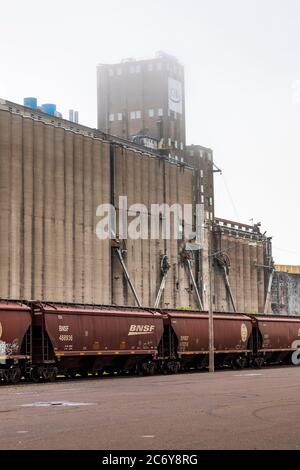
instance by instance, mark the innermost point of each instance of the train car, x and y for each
(39, 340)
(273, 338)
(74, 339)
(185, 342)
(15, 340)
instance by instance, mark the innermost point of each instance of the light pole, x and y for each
(210, 306)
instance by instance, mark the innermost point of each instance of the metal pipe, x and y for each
(194, 284)
(121, 259)
(160, 291)
(229, 288)
(268, 296)
(211, 338)
(164, 268)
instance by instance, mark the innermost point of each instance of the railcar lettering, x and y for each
(63, 328)
(244, 332)
(141, 329)
(184, 338)
(65, 337)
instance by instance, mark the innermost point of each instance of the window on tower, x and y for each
(135, 115)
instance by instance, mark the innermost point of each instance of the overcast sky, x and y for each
(242, 70)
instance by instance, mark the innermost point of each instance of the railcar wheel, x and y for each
(244, 363)
(241, 362)
(35, 374)
(5, 376)
(14, 375)
(152, 369)
(52, 375)
(45, 374)
(148, 368)
(259, 362)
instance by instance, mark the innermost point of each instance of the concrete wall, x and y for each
(149, 180)
(245, 257)
(286, 294)
(201, 159)
(51, 181)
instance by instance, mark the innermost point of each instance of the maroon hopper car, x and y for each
(15, 340)
(273, 337)
(188, 331)
(81, 339)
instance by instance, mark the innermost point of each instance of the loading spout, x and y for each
(164, 268)
(268, 296)
(121, 259)
(189, 264)
(224, 263)
(229, 289)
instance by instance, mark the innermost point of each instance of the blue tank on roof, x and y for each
(30, 102)
(49, 108)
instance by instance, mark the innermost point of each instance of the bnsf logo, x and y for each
(141, 329)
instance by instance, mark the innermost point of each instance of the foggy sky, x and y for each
(242, 71)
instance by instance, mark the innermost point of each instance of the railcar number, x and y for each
(64, 329)
(65, 337)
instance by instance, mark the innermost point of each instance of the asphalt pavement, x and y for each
(249, 409)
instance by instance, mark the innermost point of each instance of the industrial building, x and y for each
(55, 173)
(201, 159)
(144, 101)
(286, 290)
(242, 267)
(52, 178)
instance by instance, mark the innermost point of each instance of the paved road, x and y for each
(256, 409)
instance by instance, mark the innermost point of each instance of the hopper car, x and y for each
(40, 340)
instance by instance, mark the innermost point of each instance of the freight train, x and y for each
(39, 340)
